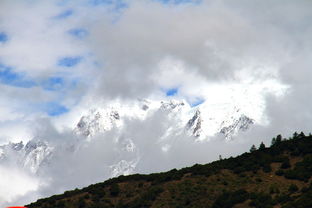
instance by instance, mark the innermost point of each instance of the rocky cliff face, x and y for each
(240, 124)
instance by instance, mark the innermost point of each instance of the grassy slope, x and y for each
(279, 176)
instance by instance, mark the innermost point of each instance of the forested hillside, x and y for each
(277, 176)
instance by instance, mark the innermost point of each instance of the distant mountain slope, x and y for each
(200, 123)
(279, 176)
(29, 156)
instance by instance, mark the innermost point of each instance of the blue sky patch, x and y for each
(3, 37)
(69, 61)
(53, 84)
(8, 77)
(79, 33)
(197, 102)
(177, 2)
(172, 91)
(101, 2)
(54, 109)
(65, 14)
(117, 4)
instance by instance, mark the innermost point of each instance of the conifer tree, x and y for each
(262, 146)
(253, 148)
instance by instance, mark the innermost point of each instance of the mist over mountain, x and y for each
(105, 142)
(278, 176)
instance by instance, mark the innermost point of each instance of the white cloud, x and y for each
(15, 183)
(37, 40)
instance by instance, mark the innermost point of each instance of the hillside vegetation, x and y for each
(278, 176)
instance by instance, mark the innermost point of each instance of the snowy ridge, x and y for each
(242, 124)
(112, 115)
(201, 122)
(98, 122)
(210, 120)
(123, 168)
(194, 125)
(30, 156)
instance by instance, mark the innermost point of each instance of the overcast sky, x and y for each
(59, 57)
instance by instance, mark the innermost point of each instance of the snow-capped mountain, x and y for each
(194, 125)
(112, 115)
(30, 156)
(200, 123)
(123, 167)
(98, 122)
(208, 121)
(242, 123)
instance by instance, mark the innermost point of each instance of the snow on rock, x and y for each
(123, 168)
(30, 156)
(201, 122)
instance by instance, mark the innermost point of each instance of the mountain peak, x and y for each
(201, 123)
(194, 125)
(240, 124)
(30, 156)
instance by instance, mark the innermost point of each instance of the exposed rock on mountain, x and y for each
(201, 122)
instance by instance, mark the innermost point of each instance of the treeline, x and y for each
(265, 200)
(207, 185)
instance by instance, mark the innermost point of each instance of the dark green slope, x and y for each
(279, 176)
